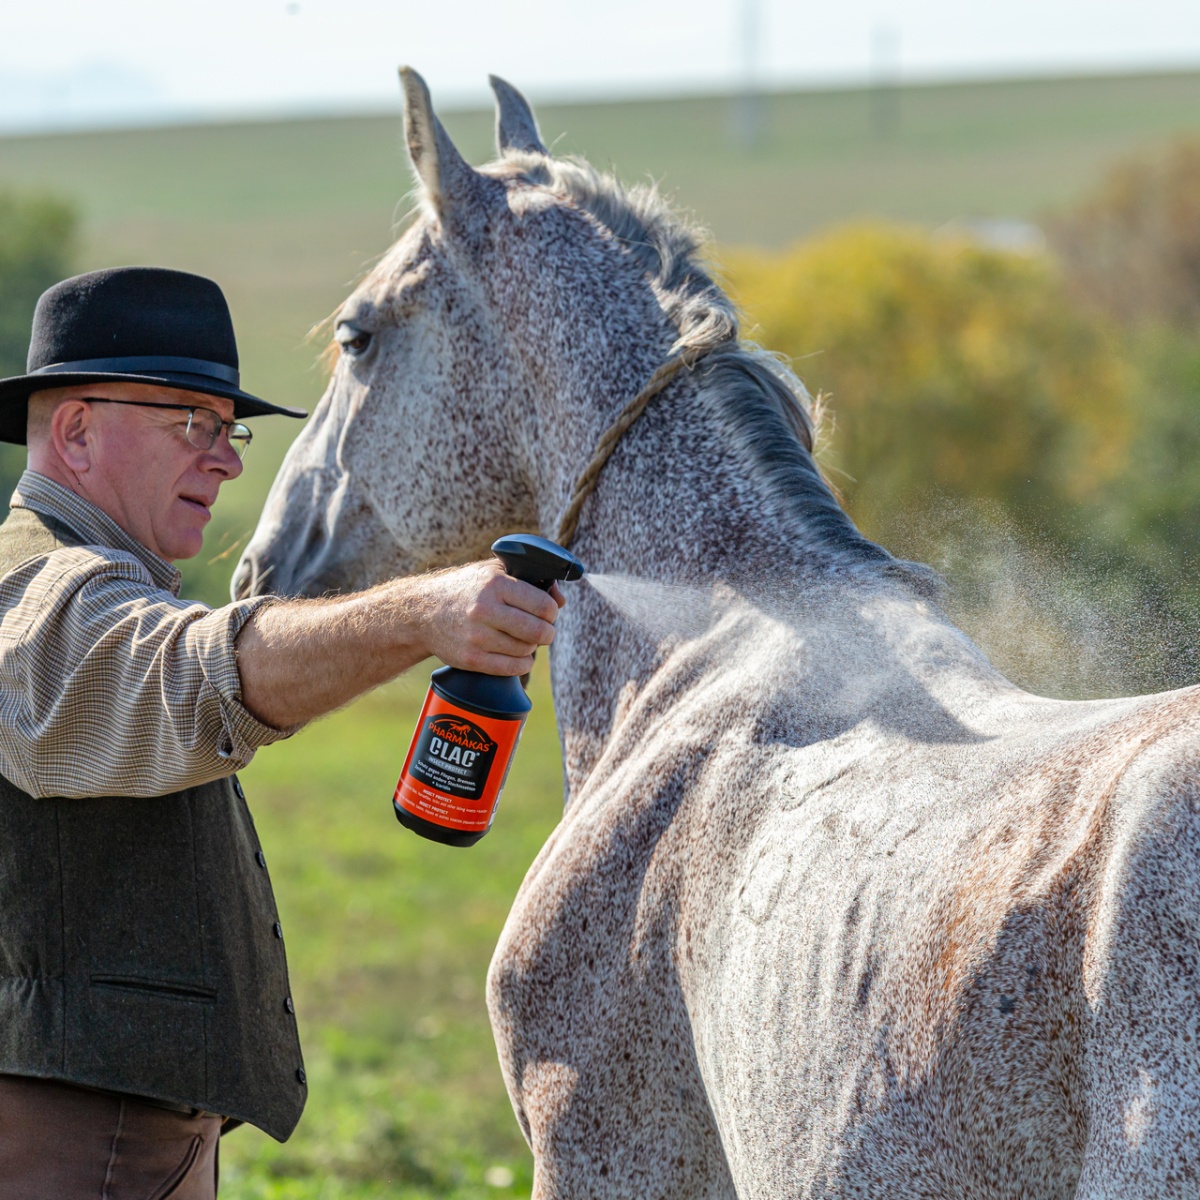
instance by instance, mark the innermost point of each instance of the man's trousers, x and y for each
(59, 1142)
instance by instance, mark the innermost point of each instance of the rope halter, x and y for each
(586, 482)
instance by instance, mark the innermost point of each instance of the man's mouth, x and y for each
(198, 502)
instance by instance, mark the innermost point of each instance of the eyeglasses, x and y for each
(203, 425)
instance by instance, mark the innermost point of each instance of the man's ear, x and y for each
(71, 434)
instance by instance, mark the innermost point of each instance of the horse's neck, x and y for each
(579, 390)
(676, 502)
(841, 658)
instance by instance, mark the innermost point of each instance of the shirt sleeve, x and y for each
(111, 686)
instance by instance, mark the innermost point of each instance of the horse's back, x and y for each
(859, 965)
(905, 982)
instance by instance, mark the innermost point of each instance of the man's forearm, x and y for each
(299, 659)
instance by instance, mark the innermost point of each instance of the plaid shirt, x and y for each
(110, 685)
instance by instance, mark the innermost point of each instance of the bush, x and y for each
(37, 247)
(955, 372)
(1132, 247)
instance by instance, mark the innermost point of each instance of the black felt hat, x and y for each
(131, 325)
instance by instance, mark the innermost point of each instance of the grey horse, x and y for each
(834, 909)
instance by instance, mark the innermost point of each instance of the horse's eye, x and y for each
(353, 341)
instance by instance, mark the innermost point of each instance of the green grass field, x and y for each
(389, 936)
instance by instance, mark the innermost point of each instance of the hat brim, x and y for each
(18, 388)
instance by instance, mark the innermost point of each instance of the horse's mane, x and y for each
(764, 407)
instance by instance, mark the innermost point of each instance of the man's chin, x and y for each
(184, 546)
(187, 538)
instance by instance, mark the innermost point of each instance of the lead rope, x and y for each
(612, 435)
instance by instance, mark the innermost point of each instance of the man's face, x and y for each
(142, 470)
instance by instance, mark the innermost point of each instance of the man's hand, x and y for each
(300, 659)
(483, 620)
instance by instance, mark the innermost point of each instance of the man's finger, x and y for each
(524, 596)
(525, 628)
(499, 642)
(502, 664)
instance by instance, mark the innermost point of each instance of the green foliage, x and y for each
(1153, 508)
(1131, 250)
(951, 368)
(1132, 246)
(37, 248)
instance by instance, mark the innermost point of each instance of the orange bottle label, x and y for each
(456, 765)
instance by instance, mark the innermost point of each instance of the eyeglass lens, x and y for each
(204, 427)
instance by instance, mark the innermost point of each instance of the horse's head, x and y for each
(474, 366)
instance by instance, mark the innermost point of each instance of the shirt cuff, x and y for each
(214, 638)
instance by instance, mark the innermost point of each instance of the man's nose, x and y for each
(224, 457)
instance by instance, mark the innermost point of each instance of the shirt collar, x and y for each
(92, 524)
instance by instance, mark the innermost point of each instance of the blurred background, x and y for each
(975, 233)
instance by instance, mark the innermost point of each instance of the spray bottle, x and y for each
(471, 722)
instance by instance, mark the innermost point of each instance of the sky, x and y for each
(79, 63)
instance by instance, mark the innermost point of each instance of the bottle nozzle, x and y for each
(537, 560)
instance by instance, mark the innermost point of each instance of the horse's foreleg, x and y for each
(597, 1051)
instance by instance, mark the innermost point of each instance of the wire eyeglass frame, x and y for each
(202, 436)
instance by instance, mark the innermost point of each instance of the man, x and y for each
(144, 998)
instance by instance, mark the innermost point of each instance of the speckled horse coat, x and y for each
(834, 909)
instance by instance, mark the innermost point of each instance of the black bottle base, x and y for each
(436, 833)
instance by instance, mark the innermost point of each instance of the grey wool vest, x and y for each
(140, 949)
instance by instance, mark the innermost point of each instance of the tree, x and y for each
(37, 247)
(1132, 246)
(953, 371)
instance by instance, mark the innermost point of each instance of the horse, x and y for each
(834, 909)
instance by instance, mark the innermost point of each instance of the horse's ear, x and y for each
(516, 126)
(447, 176)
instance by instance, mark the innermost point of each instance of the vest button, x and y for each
(260, 858)
(278, 930)
(237, 787)
(289, 1005)
(300, 1075)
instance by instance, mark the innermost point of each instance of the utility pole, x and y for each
(885, 82)
(748, 103)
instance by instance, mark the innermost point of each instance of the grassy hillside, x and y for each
(287, 214)
(389, 936)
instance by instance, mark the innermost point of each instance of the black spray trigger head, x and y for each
(537, 560)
